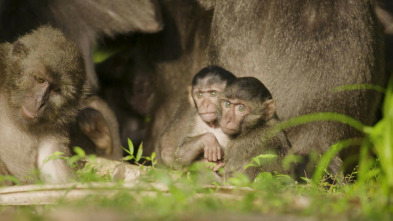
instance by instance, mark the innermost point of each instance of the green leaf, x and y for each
(240, 179)
(139, 153)
(100, 55)
(56, 155)
(127, 158)
(315, 117)
(130, 146)
(126, 150)
(266, 156)
(251, 164)
(72, 160)
(256, 160)
(263, 177)
(79, 151)
(309, 181)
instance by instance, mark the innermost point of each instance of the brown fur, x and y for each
(249, 144)
(27, 142)
(96, 130)
(183, 143)
(301, 50)
(252, 136)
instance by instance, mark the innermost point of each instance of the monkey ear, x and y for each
(19, 49)
(270, 108)
(190, 99)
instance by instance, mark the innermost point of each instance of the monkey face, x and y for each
(45, 80)
(233, 113)
(39, 89)
(36, 97)
(206, 98)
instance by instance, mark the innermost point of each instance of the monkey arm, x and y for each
(168, 143)
(189, 150)
(54, 170)
(175, 132)
(193, 147)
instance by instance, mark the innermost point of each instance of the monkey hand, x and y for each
(92, 123)
(215, 166)
(219, 164)
(212, 149)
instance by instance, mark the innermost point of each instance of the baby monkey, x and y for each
(194, 131)
(247, 113)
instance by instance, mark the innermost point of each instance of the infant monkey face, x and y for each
(233, 113)
(207, 99)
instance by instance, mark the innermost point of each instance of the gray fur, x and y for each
(301, 50)
(25, 144)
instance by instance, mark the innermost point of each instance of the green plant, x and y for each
(260, 159)
(138, 157)
(84, 165)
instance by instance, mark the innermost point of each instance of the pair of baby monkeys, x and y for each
(226, 123)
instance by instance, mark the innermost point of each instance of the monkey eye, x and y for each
(213, 93)
(40, 80)
(227, 104)
(199, 95)
(242, 108)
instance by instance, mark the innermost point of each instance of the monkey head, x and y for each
(207, 85)
(246, 104)
(44, 79)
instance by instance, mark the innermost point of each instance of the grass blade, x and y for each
(329, 154)
(314, 117)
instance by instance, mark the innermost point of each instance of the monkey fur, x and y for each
(43, 84)
(183, 143)
(250, 139)
(96, 130)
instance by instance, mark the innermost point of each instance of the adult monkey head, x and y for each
(207, 84)
(247, 104)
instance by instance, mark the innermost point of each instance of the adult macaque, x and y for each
(194, 129)
(248, 112)
(43, 84)
(96, 130)
(86, 23)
